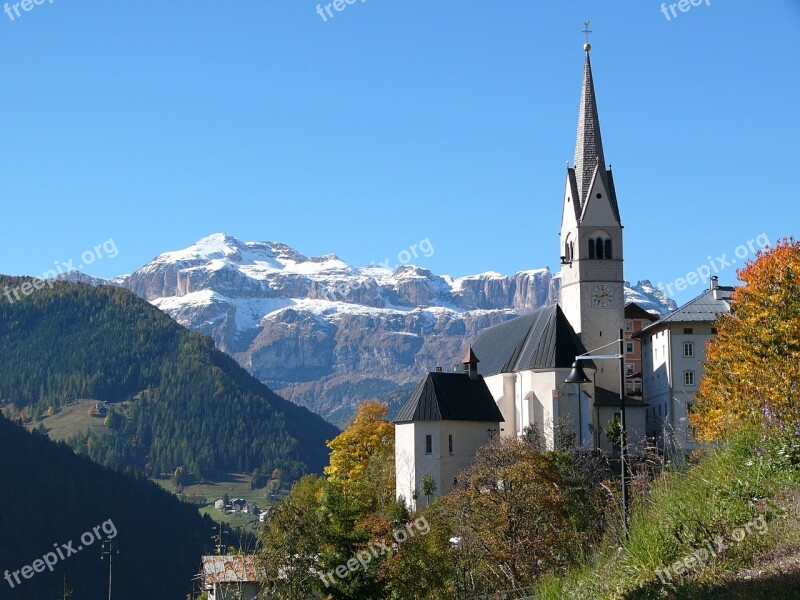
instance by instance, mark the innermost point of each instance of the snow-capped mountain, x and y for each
(327, 334)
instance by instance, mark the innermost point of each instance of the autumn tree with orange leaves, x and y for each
(753, 365)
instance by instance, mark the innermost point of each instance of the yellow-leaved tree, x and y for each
(362, 456)
(753, 365)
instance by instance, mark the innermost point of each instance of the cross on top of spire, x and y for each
(587, 32)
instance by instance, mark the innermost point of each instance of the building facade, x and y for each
(636, 319)
(673, 352)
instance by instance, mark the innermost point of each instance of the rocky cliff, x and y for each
(326, 334)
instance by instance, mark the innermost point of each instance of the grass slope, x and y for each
(743, 495)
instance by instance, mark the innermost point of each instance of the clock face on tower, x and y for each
(603, 296)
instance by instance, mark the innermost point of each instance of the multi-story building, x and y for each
(636, 318)
(673, 351)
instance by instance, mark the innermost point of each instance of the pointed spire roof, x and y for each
(589, 144)
(470, 358)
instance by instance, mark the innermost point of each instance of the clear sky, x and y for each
(157, 123)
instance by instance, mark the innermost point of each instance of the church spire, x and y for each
(589, 144)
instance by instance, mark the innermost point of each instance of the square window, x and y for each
(428, 444)
(713, 331)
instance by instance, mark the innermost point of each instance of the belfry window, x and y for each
(600, 246)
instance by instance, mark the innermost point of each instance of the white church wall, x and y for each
(468, 437)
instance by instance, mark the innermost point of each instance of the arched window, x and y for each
(600, 246)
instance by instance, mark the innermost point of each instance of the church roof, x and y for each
(450, 397)
(589, 162)
(541, 340)
(589, 143)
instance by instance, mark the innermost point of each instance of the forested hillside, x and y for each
(53, 497)
(185, 403)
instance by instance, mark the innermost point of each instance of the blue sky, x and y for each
(157, 123)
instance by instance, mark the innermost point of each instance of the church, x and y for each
(524, 362)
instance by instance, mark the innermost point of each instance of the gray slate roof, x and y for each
(703, 309)
(541, 340)
(589, 145)
(450, 397)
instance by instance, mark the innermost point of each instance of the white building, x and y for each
(673, 352)
(439, 430)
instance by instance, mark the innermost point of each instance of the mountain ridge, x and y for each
(309, 327)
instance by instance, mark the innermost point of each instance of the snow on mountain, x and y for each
(327, 334)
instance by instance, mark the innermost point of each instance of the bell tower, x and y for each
(592, 289)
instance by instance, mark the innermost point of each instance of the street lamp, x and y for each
(578, 376)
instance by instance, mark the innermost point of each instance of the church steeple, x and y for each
(589, 144)
(592, 293)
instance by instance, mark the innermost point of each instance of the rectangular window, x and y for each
(629, 368)
(713, 331)
(688, 331)
(450, 443)
(629, 347)
(628, 326)
(688, 378)
(428, 444)
(688, 349)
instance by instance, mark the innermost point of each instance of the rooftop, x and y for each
(229, 569)
(541, 340)
(705, 308)
(450, 397)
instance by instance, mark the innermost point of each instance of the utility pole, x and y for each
(623, 433)
(218, 538)
(108, 550)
